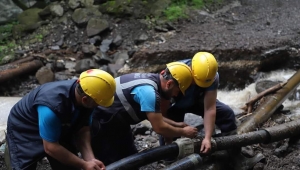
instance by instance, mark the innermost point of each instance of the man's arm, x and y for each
(164, 106)
(50, 131)
(209, 119)
(83, 142)
(149, 101)
(163, 128)
(60, 153)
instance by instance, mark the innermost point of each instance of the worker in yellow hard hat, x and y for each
(138, 97)
(50, 119)
(201, 99)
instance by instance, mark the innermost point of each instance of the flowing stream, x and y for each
(236, 99)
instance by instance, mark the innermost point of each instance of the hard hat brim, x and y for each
(203, 84)
(106, 103)
(183, 92)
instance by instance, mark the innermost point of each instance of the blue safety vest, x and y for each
(23, 128)
(124, 103)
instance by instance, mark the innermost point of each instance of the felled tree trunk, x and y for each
(10, 71)
(269, 106)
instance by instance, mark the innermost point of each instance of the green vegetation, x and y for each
(178, 8)
(39, 37)
(6, 41)
(175, 12)
(6, 32)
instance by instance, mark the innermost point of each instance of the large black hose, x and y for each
(267, 135)
(145, 157)
(187, 163)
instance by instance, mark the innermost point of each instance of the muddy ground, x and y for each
(244, 26)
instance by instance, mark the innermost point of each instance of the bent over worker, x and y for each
(138, 97)
(201, 99)
(53, 120)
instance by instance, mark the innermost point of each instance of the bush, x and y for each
(177, 9)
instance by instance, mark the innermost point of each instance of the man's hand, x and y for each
(94, 164)
(181, 124)
(205, 146)
(190, 132)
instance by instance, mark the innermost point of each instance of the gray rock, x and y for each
(279, 118)
(55, 47)
(120, 61)
(60, 42)
(89, 49)
(86, 3)
(59, 65)
(117, 41)
(150, 139)
(104, 68)
(105, 45)
(193, 120)
(259, 166)
(56, 10)
(9, 11)
(73, 4)
(113, 69)
(96, 26)
(85, 64)
(8, 58)
(95, 39)
(102, 58)
(142, 37)
(44, 75)
(82, 15)
(264, 85)
(280, 152)
(140, 129)
(63, 75)
(121, 55)
(248, 151)
(160, 29)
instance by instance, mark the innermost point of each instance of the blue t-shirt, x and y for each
(146, 96)
(50, 124)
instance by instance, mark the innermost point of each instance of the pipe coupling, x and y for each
(186, 147)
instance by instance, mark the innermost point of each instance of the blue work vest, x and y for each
(124, 103)
(23, 119)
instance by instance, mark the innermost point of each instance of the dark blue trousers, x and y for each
(225, 118)
(112, 139)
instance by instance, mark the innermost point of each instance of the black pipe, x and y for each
(188, 163)
(145, 157)
(226, 142)
(283, 131)
(267, 135)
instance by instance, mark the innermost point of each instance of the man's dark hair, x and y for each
(79, 90)
(168, 76)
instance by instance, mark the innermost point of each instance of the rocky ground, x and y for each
(247, 37)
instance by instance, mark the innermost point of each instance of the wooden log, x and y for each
(9, 71)
(251, 102)
(268, 107)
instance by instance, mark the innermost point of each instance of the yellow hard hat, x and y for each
(99, 85)
(182, 74)
(204, 68)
